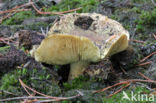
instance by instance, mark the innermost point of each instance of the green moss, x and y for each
(147, 19)
(87, 5)
(66, 101)
(77, 83)
(4, 48)
(136, 9)
(10, 80)
(82, 82)
(113, 17)
(140, 28)
(40, 80)
(18, 18)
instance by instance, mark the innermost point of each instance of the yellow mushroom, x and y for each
(78, 39)
(61, 49)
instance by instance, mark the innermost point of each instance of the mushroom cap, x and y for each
(62, 49)
(107, 34)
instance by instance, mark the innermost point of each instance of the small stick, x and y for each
(17, 7)
(147, 57)
(39, 92)
(144, 76)
(104, 89)
(9, 39)
(11, 14)
(7, 92)
(5, 17)
(123, 70)
(154, 35)
(25, 88)
(125, 82)
(55, 13)
(26, 64)
(6, 40)
(25, 97)
(138, 41)
(140, 80)
(36, 97)
(146, 63)
(10, 11)
(119, 90)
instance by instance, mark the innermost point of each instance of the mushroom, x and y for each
(62, 49)
(78, 39)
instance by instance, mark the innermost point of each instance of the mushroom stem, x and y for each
(76, 69)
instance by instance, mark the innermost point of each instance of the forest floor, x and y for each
(131, 72)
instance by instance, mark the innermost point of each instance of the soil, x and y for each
(83, 22)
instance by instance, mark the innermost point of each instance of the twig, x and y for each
(13, 9)
(146, 63)
(139, 80)
(124, 82)
(68, 11)
(10, 11)
(147, 57)
(55, 13)
(7, 92)
(39, 92)
(123, 70)
(144, 76)
(27, 64)
(6, 40)
(51, 97)
(5, 17)
(25, 88)
(138, 41)
(104, 89)
(119, 90)
(54, 100)
(40, 12)
(154, 35)
(25, 97)
(36, 97)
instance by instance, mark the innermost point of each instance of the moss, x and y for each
(136, 9)
(4, 49)
(78, 83)
(10, 81)
(18, 18)
(87, 5)
(113, 17)
(147, 19)
(82, 82)
(40, 80)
